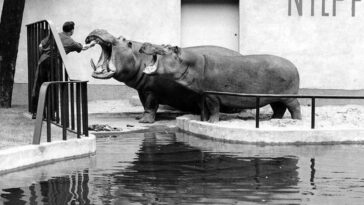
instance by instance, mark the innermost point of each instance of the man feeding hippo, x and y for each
(121, 60)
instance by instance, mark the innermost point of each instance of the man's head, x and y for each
(68, 27)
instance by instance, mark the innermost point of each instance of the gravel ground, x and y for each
(341, 117)
(17, 128)
(338, 117)
(121, 114)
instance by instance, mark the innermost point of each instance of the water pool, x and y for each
(177, 168)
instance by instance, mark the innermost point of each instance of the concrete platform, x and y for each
(285, 135)
(22, 157)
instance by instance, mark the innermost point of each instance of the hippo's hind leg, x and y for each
(294, 108)
(279, 108)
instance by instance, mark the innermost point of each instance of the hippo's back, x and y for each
(213, 51)
(251, 74)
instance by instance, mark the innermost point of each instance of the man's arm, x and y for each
(87, 46)
(44, 43)
(71, 45)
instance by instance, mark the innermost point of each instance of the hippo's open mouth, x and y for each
(155, 51)
(105, 68)
(151, 68)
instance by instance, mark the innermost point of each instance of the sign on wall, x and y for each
(326, 7)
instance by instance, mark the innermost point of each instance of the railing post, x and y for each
(78, 109)
(67, 102)
(63, 111)
(72, 103)
(57, 90)
(30, 68)
(84, 108)
(49, 114)
(257, 112)
(313, 104)
(53, 89)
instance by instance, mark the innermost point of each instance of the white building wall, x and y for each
(328, 50)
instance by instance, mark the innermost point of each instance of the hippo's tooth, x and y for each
(150, 69)
(97, 69)
(112, 66)
(93, 64)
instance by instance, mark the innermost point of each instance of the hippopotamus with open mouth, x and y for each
(120, 59)
(264, 74)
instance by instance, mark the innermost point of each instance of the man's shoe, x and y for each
(34, 115)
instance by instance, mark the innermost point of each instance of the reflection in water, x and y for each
(168, 170)
(14, 195)
(174, 168)
(72, 189)
(313, 171)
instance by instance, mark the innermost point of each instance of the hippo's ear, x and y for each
(161, 52)
(130, 44)
(176, 49)
(167, 46)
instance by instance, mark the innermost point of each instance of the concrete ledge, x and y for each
(190, 124)
(31, 155)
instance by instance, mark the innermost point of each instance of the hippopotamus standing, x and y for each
(264, 74)
(121, 60)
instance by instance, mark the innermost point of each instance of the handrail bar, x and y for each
(286, 95)
(40, 21)
(258, 96)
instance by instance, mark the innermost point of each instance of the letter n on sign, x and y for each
(298, 6)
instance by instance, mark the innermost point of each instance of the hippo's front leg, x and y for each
(213, 108)
(150, 104)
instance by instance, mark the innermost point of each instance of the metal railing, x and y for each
(259, 96)
(63, 100)
(67, 117)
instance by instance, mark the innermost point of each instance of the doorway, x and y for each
(210, 22)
